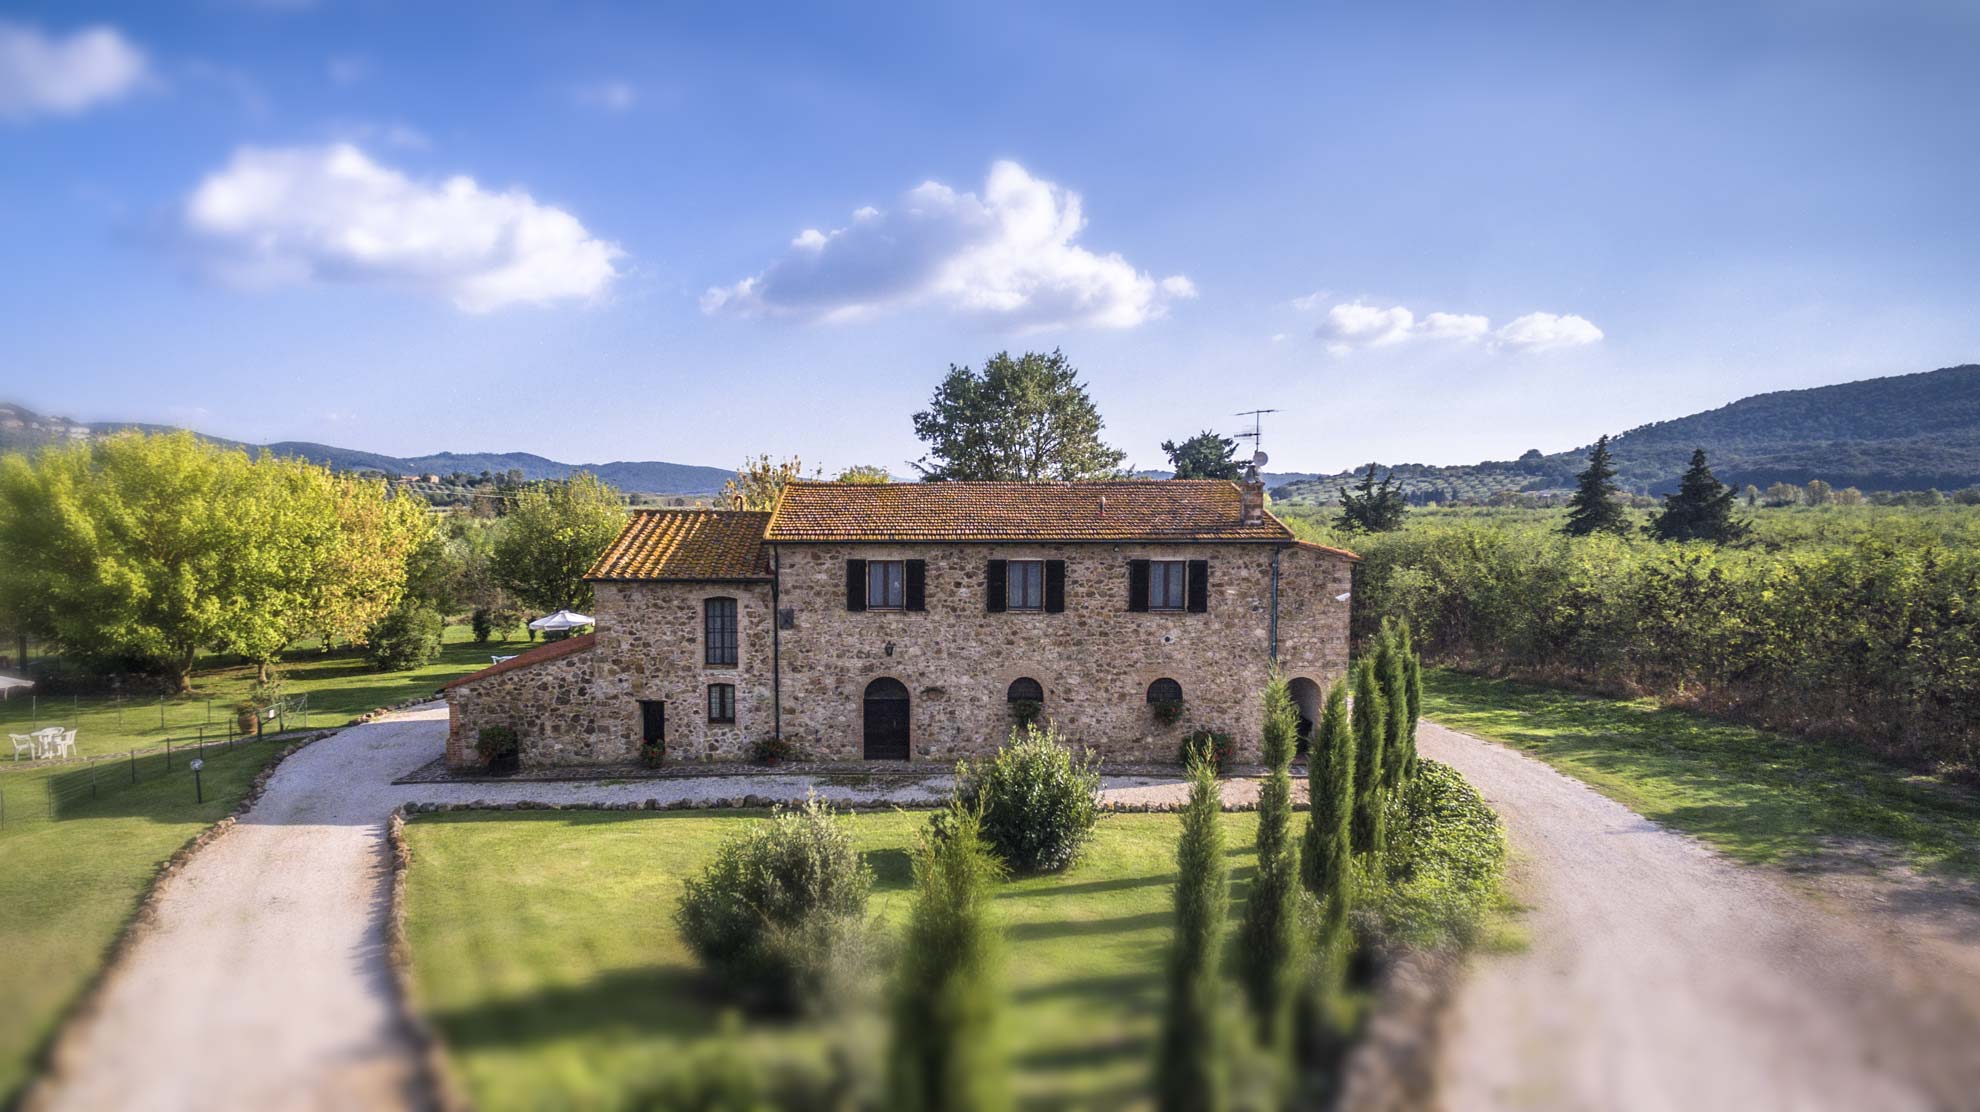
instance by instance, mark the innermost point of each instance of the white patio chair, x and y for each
(25, 743)
(66, 744)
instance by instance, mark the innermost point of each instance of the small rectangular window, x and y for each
(1024, 585)
(1167, 583)
(719, 629)
(721, 702)
(886, 585)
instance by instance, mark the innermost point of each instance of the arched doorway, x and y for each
(1306, 696)
(886, 720)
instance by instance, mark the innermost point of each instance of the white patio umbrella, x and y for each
(562, 620)
(8, 685)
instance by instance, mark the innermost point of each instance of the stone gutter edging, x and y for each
(434, 1072)
(56, 1058)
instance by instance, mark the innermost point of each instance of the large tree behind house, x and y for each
(1025, 418)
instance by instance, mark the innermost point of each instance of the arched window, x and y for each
(1024, 689)
(1165, 691)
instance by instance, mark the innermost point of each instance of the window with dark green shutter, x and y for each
(1024, 584)
(1055, 586)
(1167, 584)
(886, 585)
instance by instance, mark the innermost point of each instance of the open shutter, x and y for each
(1199, 586)
(855, 584)
(1138, 586)
(914, 595)
(994, 587)
(1055, 586)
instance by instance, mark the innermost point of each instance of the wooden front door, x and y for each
(886, 720)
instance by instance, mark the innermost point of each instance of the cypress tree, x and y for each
(1330, 779)
(1192, 1067)
(1370, 725)
(1594, 508)
(946, 1053)
(1700, 510)
(1413, 690)
(1267, 959)
(1393, 678)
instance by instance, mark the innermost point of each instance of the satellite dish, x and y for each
(1259, 459)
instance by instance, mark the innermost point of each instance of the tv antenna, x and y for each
(1256, 436)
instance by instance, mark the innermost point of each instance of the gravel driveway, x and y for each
(1661, 975)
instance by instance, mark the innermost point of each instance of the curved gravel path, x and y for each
(1661, 975)
(262, 981)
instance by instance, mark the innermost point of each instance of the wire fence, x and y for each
(97, 784)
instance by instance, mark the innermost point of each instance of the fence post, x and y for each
(92, 781)
(133, 766)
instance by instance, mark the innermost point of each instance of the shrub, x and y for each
(406, 637)
(773, 750)
(946, 1051)
(1038, 799)
(482, 622)
(499, 747)
(1444, 859)
(653, 754)
(1204, 743)
(1192, 1066)
(781, 904)
(1167, 711)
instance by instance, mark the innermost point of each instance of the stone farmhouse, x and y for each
(919, 621)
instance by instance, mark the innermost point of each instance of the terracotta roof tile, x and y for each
(1328, 549)
(537, 655)
(1130, 510)
(686, 544)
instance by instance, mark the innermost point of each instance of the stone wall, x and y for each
(1095, 660)
(585, 708)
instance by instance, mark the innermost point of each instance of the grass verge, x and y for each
(1759, 796)
(70, 883)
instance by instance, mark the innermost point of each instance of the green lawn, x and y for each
(1758, 795)
(68, 885)
(340, 685)
(544, 948)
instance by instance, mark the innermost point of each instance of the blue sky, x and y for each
(1432, 233)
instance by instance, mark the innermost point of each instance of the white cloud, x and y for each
(61, 76)
(1546, 331)
(278, 216)
(1355, 325)
(1007, 255)
(609, 96)
(1464, 327)
(347, 69)
(1352, 325)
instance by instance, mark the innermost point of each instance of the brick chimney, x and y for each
(1252, 497)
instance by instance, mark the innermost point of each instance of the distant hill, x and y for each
(21, 428)
(1908, 432)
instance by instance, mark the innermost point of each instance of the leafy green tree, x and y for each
(760, 481)
(947, 1050)
(1330, 788)
(1268, 960)
(551, 537)
(408, 636)
(1371, 717)
(1372, 507)
(1026, 419)
(140, 550)
(1192, 1065)
(1203, 456)
(369, 569)
(1700, 510)
(1594, 507)
(1817, 493)
(864, 473)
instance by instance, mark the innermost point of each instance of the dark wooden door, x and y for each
(886, 721)
(652, 721)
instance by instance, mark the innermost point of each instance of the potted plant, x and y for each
(774, 750)
(246, 717)
(653, 754)
(1167, 711)
(500, 751)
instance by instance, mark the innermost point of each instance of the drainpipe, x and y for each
(776, 648)
(1276, 549)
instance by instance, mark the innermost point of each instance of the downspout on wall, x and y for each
(776, 643)
(1276, 550)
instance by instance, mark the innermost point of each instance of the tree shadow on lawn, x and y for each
(667, 1002)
